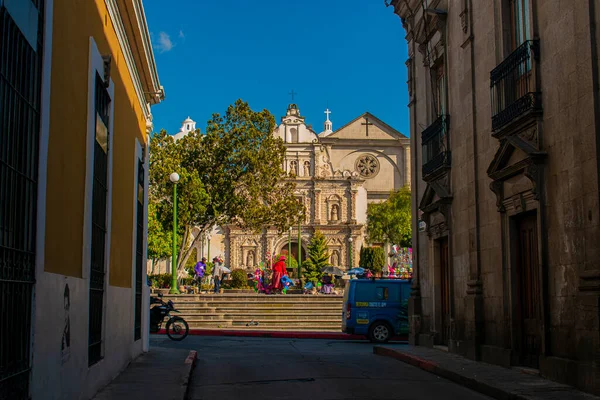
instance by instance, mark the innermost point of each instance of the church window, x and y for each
(294, 167)
(335, 212)
(367, 166)
(294, 133)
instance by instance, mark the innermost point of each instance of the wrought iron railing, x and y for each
(435, 146)
(20, 85)
(513, 85)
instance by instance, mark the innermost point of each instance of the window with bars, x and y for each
(20, 88)
(99, 223)
(514, 86)
(139, 251)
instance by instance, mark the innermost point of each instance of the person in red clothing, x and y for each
(278, 271)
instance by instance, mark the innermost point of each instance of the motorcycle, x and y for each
(177, 328)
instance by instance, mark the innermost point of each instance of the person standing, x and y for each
(217, 274)
(278, 271)
(200, 270)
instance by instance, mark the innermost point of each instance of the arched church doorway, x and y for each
(284, 250)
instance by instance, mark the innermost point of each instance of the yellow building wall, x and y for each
(74, 22)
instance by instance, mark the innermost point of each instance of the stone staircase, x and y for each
(292, 313)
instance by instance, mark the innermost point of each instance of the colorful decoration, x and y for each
(403, 263)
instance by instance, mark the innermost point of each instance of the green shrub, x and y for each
(160, 281)
(239, 279)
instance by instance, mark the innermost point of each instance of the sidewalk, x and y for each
(491, 380)
(162, 373)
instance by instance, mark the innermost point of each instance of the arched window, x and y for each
(306, 168)
(335, 212)
(294, 133)
(294, 167)
(335, 258)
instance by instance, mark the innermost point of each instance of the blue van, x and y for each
(376, 308)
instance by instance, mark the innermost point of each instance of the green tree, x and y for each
(378, 259)
(230, 175)
(391, 220)
(159, 241)
(318, 258)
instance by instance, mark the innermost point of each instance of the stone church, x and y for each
(337, 174)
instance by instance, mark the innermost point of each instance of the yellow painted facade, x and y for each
(75, 21)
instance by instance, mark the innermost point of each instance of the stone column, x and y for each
(354, 192)
(317, 206)
(407, 173)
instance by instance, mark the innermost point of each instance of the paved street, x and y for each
(256, 368)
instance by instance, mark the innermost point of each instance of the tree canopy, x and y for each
(391, 220)
(232, 174)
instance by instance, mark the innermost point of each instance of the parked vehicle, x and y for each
(376, 308)
(177, 328)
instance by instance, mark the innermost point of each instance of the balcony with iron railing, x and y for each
(436, 150)
(514, 87)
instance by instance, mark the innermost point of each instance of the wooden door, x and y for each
(528, 291)
(445, 291)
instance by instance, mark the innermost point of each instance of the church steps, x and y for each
(266, 316)
(256, 306)
(278, 312)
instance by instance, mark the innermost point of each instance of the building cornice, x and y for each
(123, 38)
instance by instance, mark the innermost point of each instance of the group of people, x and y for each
(276, 282)
(218, 272)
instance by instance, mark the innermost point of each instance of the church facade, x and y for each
(337, 173)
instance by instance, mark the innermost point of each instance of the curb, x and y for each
(434, 368)
(279, 335)
(190, 363)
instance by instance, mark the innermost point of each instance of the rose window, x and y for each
(367, 166)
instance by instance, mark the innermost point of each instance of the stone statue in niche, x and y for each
(335, 212)
(250, 259)
(66, 336)
(335, 258)
(306, 168)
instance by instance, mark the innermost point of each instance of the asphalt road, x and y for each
(307, 369)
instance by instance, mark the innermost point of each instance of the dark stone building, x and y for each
(506, 206)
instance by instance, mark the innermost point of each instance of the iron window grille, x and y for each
(435, 146)
(99, 229)
(139, 253)
(513, 85)
(20, 89)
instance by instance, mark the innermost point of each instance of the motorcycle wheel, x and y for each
(177, 329)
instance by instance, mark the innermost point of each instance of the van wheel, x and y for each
(380, 332)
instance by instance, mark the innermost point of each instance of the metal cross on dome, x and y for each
(292, 93)
(327, 112)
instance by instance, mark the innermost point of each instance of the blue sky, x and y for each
(348, 54)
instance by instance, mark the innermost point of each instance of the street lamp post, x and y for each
(289, 257)
(208, 243)
(174, 177)
(351, 251)
(299, 250)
